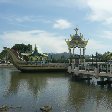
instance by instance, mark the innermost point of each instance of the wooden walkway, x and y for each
(92, 71)
(88, 72)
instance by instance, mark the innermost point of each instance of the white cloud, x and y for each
(47, 42)
(21, 19)
(100, 10)
(62, 24)
(94, 46)
(107, 35)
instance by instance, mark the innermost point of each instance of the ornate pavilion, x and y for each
(77, 41)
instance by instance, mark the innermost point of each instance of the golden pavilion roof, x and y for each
(76, 40)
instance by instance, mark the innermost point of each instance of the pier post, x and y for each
(107, 68)
(101, 67)
(96, 70)
(110, 68)
(85, 67)
(79, 61)
(69, 61)
(101, 78)
(102, 82)
(72, 67)
(108, 82)
(84, 61)
(88, 67)
(88, 80)
(69, 69)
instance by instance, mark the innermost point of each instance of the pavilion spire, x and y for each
(76, 30)
(35, 48)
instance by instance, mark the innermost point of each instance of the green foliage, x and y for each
(101, 57)
(22, 48)
(3, 54)
(107, 56)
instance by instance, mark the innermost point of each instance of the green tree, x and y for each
(22, 48)
(107, 56)
(3, 54)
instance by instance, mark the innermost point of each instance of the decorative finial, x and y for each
(35, 48)
(76, 30)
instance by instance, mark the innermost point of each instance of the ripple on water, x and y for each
(34, 90)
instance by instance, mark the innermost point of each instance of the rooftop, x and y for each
(76, 40)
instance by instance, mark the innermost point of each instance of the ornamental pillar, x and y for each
(69, 51)
(110, 68)
(73, 52)
(69, 55)
(84, 52)
(80, 52)
(84, 55)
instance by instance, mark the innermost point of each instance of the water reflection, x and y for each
(35, 82)
(32, 82)
(91, 98)
(33, 90)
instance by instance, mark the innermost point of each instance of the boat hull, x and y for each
(24, 66)
(43, 70)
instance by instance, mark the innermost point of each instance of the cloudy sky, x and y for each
(48, 23)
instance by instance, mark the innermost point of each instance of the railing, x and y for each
(100, 68)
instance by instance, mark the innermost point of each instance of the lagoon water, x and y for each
(27, 92)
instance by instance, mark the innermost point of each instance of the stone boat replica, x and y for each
(24, 66)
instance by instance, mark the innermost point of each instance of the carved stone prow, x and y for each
(14, 59)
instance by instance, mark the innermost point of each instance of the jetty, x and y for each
(81, 70)
(87, 72)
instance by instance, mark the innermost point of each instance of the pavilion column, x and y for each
(80, 56)
(84, 54)
(80, 52)
(73, 52)
(69, 55)
(70, 52)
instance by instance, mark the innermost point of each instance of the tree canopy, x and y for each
(22, 48)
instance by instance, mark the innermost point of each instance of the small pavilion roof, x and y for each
(76, 40)
(36, 53)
